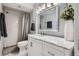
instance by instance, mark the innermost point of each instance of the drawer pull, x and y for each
(51, 53)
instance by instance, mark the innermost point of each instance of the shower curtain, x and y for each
(25, 26)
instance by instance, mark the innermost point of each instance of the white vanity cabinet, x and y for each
(43, 46)
(34, 47)
(52, 50)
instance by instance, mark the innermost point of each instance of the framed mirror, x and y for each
(50, 22)
(49, 19)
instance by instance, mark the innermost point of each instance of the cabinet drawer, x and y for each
(53, 46)
(49, 51)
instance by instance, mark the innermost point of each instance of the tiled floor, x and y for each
(17, 54)
(9, 50)
(13, 51)
(12, 54)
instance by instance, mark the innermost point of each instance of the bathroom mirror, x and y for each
(50, 22)
(49, 19)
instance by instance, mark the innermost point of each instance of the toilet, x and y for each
(23, 48)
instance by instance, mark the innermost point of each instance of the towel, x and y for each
(3, 25)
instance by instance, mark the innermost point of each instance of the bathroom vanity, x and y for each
(48, 22)
(43, 45)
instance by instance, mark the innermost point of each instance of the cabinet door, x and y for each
(50, 51)
(35, 47)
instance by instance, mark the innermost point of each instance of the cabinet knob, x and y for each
(51, 53)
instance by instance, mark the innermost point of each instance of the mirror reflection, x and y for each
(49, 18)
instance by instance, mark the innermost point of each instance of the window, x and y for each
(49, 24)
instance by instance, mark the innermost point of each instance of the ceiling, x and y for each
(26, 7)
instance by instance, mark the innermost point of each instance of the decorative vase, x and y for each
(68, 30)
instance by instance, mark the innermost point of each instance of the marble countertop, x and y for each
(54, 40)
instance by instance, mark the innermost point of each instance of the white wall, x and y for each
(12, 19)
(1, 7)
(76, 29)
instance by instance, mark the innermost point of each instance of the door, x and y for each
(35, 47)
(12, 18)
